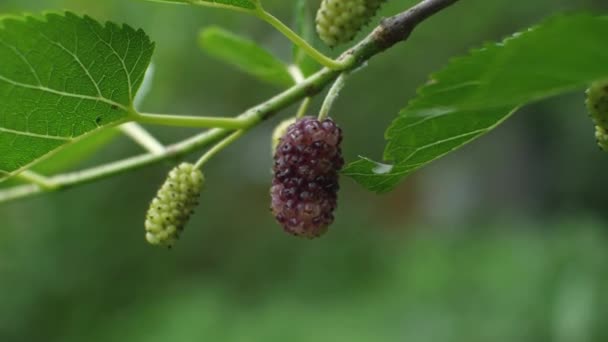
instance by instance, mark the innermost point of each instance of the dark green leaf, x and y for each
(304, 28)
(474, 94)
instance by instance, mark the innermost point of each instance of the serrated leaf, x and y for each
(63, 77)
(85, 148)
(247, 5)
(245, 55)
(476, 93)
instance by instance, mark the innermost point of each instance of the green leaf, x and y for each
(241, 5)
(63, 77)
(76, 153)
(85, 148)
(304, 28)
(245, 55)
(476, 93)
(71, 155)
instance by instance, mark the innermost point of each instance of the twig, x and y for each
(390, 32)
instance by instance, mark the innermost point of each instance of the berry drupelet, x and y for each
(597, 104)
(338, 21)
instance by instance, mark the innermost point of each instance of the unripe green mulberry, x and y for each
(338, 21)
(597, 104)
(170, 210)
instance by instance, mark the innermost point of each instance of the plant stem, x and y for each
(254, 116)
(298, 77)
(191, 121)
(303, 107)
(332, 95)
(218, 148)
(303, 44)
(391, 31)
(37, 179)
(207, 3)
(141, 136)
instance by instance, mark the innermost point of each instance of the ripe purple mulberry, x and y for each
(305, 184)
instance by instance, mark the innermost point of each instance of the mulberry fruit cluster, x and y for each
(338, 21)
(305, 185)
(173, 205)
(597, 104)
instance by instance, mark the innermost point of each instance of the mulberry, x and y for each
(173, 205)
(279, 132)
(338, 21)
(305, 185)
(597, 104)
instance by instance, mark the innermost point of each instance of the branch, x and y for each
(390, 32)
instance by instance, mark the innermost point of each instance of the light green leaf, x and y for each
(304, 28)
(244, 54)
(71, 155)
(76, 153)
(63, 77)
(476, 93)
(240, 5)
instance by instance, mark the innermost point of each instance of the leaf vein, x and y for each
(77, 59)
(34, 135)
(115, 53)
(456, 137)
(23, 58)
(62, 93)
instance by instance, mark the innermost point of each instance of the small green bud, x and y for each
(597, 104)
(173, 205)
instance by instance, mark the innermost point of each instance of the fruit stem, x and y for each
(218, 148)
(142, 137)
(298, 77)
(332, 95)
(207, 3)
(303, 107)
(191, 121)
(303, 44)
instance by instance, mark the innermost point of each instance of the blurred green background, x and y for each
(505, 240)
